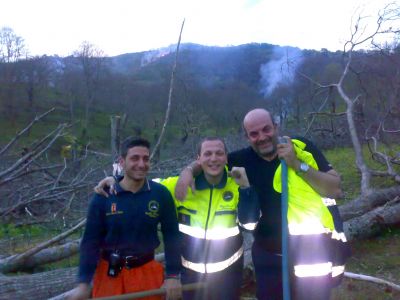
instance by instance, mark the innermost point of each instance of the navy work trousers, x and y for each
(268, 269)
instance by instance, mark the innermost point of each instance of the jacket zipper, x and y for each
(206, 227)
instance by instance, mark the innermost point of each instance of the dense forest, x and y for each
(56, 136)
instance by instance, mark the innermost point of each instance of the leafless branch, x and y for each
(61, 173)
(319, 110)
(33, 154)
(23, 131)
(171, 87)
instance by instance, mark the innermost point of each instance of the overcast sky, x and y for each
(124, 26)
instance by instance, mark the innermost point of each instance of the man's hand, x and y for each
(106, 182)
(185, 180)
(286, 152)
(240, 176)
(81, 292)
(174, 288)
(327, 184)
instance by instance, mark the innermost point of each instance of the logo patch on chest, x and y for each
(227, 196)
(153, 209)
(113, 210)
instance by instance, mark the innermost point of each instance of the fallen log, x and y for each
(374, 221)
(37, 286)
(41, 258)
(362, 205)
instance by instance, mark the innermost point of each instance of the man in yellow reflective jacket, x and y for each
(212, 244)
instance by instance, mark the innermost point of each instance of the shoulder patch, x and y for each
(114, 210)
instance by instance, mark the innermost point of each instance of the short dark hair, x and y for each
(210, 138)
(133, 142)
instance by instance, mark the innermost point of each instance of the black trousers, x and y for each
(268, 269)
(223, 285)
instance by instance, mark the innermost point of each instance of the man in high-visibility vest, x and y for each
(212, 244)
(317, 246)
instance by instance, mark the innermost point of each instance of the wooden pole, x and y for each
(171, 88)
(115, 137)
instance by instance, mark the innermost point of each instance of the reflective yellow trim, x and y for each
(308, 227)
(313, 270)
(249, 226)
(210, 234)
(339, 236)
(337, 270)
(212, 267)
(329, 201)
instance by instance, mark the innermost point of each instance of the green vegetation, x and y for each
(343, 160)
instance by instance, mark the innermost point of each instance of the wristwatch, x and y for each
(303, 168)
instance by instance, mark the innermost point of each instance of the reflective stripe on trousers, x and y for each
(322, 269)
(212, 267)
(249, 226)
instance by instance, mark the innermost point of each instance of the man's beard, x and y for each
(269, 153)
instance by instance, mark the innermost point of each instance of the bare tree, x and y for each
(12, 47)
(91, 59)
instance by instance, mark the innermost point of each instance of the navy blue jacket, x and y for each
(128, 222)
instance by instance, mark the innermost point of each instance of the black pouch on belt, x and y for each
(114, 264)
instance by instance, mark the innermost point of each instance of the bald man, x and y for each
(311, 179)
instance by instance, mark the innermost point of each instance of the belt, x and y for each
(131, 261)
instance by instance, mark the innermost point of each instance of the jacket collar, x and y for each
(202, 183)
(144, 188)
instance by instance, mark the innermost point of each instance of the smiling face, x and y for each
(136, 163)
(212, 158)
(261, 133)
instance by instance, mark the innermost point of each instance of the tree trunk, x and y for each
(115, 137)
(37, 286)
(374, 221)
(41, 258)
(363, 204)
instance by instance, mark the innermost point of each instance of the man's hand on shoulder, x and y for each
(103, 184)
(186, 180)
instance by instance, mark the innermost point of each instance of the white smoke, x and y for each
(280, 69)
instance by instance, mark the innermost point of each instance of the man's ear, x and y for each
(121, 161)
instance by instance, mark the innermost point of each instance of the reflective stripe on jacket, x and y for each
(208, 221)
(317, 244)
